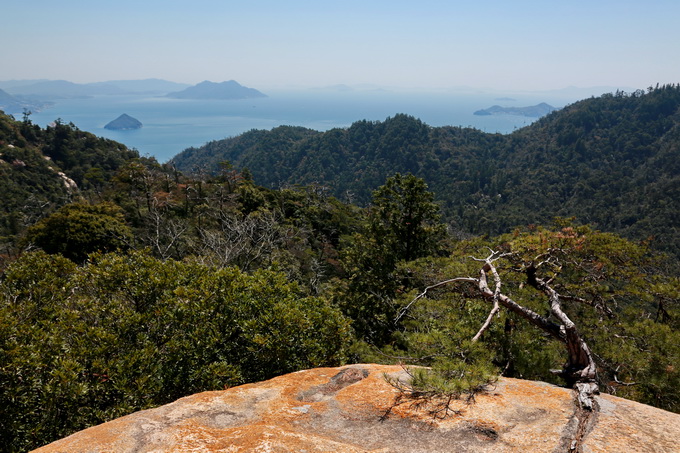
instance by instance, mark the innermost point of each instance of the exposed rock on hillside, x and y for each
(354, 409)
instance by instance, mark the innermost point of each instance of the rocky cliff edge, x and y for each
(355, 409)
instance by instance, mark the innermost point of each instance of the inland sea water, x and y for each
(172, 125)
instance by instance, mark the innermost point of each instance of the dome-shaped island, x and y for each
(123, 123)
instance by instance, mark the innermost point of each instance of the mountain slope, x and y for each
(58, 89)
(42, 169)
(11, 104)
(610, 161)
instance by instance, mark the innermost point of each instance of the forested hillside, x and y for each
(610, 161)
(126, 284)
(42, 169)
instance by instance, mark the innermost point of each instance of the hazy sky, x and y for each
(503, 44)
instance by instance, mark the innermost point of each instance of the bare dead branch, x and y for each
(403, 311)
(530, 315)
(616, 379)
(496, 306)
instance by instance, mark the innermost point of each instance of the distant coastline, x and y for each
(172, 125)
(19, 104)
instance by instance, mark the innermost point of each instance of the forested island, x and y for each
(211, 90)
(534, 111)
(124, 123)
(127, 284)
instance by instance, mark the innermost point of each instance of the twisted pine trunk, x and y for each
(579, 371)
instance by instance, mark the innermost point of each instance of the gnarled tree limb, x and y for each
(580, 369)
(496, 307)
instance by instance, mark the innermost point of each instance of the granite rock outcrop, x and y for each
(355, 409)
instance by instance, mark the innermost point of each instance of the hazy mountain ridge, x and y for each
(144, 86)
(211, 90)
(59, 89)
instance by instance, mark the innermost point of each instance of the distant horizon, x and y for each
(172, 125)
(358, 87)
(524, 45)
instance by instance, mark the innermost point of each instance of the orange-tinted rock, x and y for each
(354, 409)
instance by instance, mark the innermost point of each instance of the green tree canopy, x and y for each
(622, 300)
(405, 219)
(77, 229)
(402, 224)
(80, 345)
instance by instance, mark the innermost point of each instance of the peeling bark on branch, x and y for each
(530, 315)
(496, 306)
(580, 370)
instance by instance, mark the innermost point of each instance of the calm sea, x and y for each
(172, 125)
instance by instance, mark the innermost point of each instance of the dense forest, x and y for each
(610, 162)
(127, 284)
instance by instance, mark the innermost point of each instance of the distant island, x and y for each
(534, 111)
(212, 90)
(124, 123)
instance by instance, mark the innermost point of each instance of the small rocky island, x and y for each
(124, 123)
(534, 111)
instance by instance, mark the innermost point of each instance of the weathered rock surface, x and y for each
(354, 409)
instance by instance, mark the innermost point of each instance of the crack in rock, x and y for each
(343, 379)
